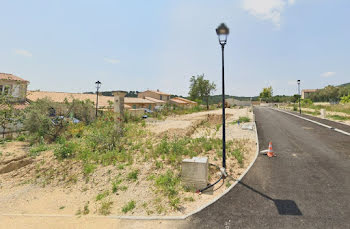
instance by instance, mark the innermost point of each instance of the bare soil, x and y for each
(44, 185)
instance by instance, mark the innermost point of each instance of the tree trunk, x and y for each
(208, 103)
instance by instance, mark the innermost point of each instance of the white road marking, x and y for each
(318, 123)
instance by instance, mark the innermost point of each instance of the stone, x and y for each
(194, 172)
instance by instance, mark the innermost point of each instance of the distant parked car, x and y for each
(148, 111)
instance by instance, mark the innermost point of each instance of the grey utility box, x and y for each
(194, 172)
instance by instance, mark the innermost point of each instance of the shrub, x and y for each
(129, 206)
(133, 175)
(243, 119)
(66, 149)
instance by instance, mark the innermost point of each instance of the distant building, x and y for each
(104, 102)
(13, 86)
(307, 92)
(155, 94)
(182, 102)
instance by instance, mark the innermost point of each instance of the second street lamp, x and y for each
(222, 31)
(98, 85)
(299, 96)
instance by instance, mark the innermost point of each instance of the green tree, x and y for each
(266, 93)
(201, 89)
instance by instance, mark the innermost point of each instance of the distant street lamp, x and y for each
(299, 96)
(222, 31)
(98, 85)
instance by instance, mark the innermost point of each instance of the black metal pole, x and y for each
(223, 111)
(299, 97)
(96, 101)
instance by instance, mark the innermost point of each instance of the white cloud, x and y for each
(111, 60)
(328, 74)
(23, 52)
(267, 9)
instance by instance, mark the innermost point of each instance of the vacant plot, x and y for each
(94, 171)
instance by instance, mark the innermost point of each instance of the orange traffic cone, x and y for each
(270, 152)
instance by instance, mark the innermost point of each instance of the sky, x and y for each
(138, 45)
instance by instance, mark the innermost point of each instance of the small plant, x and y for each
(21, 138)
(62, 207)
(129, 206)
(35, 151)
(123, 188)
(133, 175)
(115, 185)
(105, 208)
(228, 184)
(189, 199)
(86, 209)
(121, 166)
(168, 183)
(102, 195)
(242, 119)
(238, 155)
(175, 202)
(89, 168)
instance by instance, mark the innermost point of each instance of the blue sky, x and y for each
(138, 45)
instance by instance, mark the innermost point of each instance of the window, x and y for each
(7, 90)
(161, 97)
(1, 87)
(134, 106)
(168, 97)
(150, 107)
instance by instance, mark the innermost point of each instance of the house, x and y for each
(136, 103)
(104, 102)
(307, 92)
(155, 94)
(157, 101)
(182, 102)
(14, 86)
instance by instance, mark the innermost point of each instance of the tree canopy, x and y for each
(201, 89)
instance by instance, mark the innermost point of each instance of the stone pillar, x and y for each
(119, 105)
(323, 113)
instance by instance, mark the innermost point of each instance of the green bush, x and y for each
(66, 149)
(133, 175)
(168, 183)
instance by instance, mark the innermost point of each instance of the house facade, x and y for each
(155, 94)
(13, 86)
(307, 92)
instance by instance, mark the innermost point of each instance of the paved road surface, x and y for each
(306, 186)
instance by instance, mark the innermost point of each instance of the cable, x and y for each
(211, 185)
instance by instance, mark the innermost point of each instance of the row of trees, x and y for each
(330, 94)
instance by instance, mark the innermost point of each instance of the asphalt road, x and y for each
(306, 186)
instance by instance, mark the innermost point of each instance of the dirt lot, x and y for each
(34, 185)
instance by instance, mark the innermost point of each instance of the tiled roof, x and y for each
(157, 92)
(60, 96)
(18, 106)
(132, 100)
(6, 76)
(154, 100)
(103, 101)
(185, 100)
(175, 100)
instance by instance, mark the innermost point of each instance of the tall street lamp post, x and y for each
(222, 31)
(98, 85)
(299, 96)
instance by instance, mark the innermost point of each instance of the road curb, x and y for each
(161, 217)
(313, 121)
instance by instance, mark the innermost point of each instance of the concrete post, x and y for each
(119, 105)
(323, 113)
